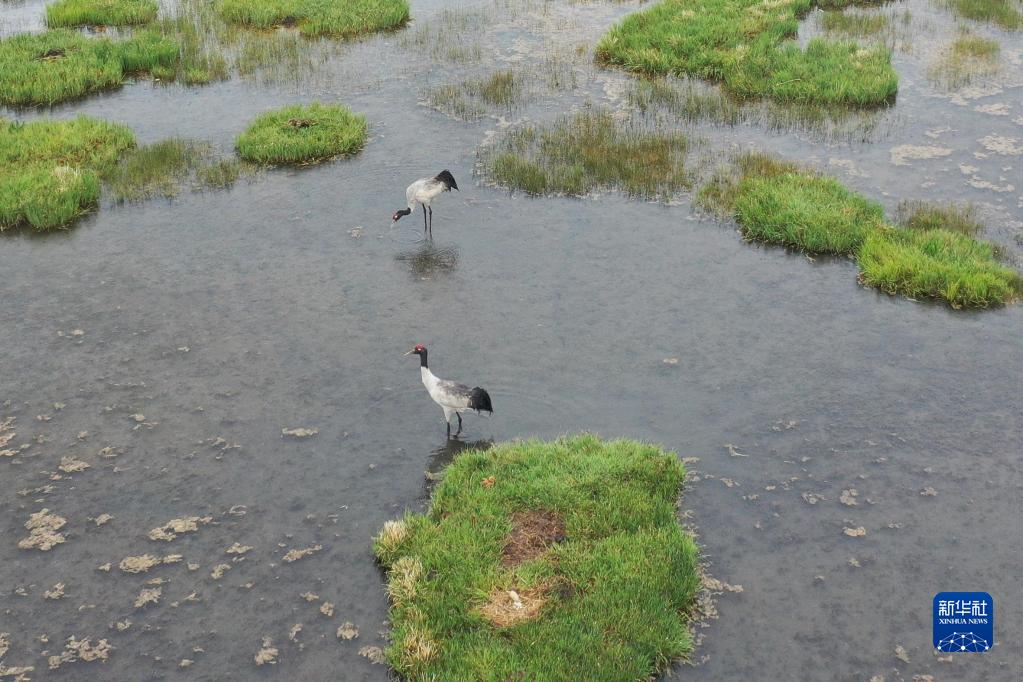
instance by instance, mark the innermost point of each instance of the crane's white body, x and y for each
(451, 396)
(423, 191)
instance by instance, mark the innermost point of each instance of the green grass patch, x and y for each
(318, 17)
(1004, 13)
(969, 56)
(939, 264)
(50, 170)
(539, 560)
(58, 65)
(934, 255)
(805, 211)
(743, 45)
(302, 134)
(588, 151)
(932, 215)
(70, 13)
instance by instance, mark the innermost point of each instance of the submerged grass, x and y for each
(302, 134)
(743, 45)
(854, 23)
(968, 57)
(1004, 13)
(934, 255)
(155, 169)
(469, 100)
(59, 65)
(165, 167)
(591, 150)
(69, 13)
(537, 560)
(694, 102)
(932, 215)
(50, 170)
(318, 17)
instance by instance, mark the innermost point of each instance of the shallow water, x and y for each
(287, 302)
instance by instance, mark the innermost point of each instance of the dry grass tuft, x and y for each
(505, 608)
(403, 579)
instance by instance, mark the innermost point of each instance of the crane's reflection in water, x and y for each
(429, 260)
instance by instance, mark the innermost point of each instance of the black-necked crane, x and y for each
(453, 398)
(422, 192)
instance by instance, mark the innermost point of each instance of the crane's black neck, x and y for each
(405, 211)
(422, 359)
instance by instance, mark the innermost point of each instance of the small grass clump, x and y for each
(59, 65)
(968, 57)
(743, 44)
(939, 264)
(71, 13)
(591, 150)
(1004, 13)
(539, 560)
(50, 170)
(805, 211)
(346, 19)
(302, 134)
(932, 215)
(502, 89)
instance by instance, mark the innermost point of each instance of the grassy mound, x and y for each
(50, 170)
(302, 134)
(740, 44)
(805, 211)
(318, 17)
(62, 64)
(540, 560)
(588, 151)
(934, 255)
(938, 264)
(67, 13)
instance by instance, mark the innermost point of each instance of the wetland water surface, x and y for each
(166, 344)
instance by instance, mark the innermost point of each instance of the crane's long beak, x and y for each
(410, 352)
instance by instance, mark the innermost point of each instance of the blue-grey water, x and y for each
(185, 334)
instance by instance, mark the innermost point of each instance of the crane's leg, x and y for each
(431, 221)
(447, 418)
(424, 219)
(459, 424)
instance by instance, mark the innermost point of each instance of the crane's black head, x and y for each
(419, 350)
(447, 178)
(398, 215)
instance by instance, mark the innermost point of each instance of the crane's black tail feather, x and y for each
(447, 178)
(479, 400)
